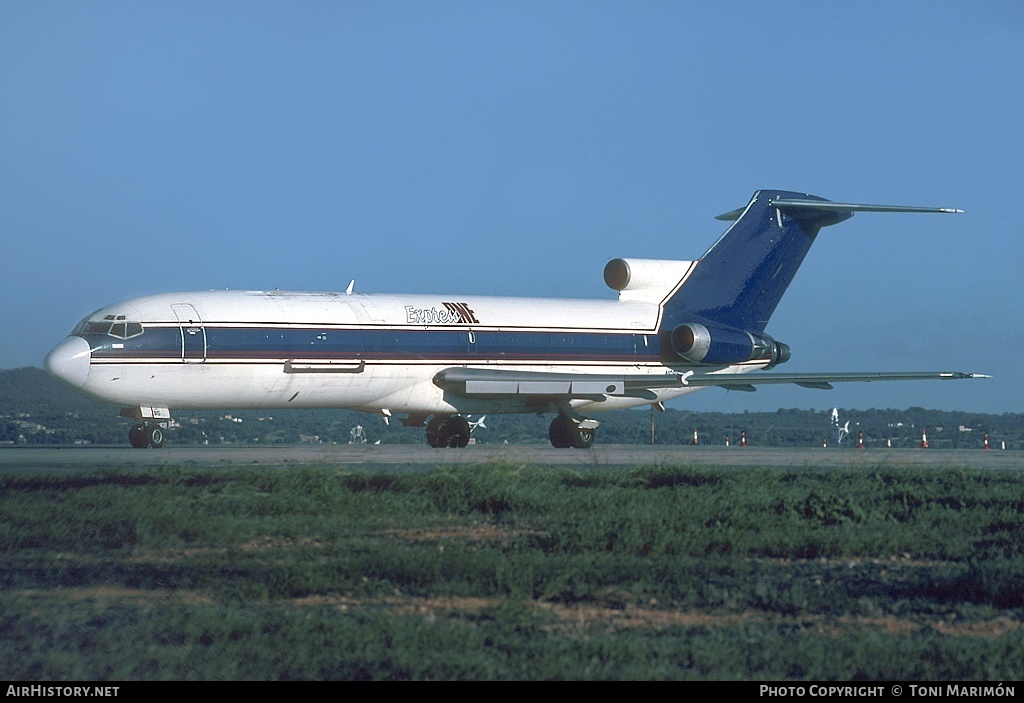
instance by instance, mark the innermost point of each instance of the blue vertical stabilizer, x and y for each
(742, 277)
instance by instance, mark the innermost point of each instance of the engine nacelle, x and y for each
(701, 344)
(647, 280)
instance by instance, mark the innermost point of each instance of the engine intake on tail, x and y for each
(645, 280)
(702, 344)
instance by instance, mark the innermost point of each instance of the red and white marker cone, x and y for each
(727, 440)
(860, 440)
(743, 439)
(695, 436)
(924, 439)
(888, 443)
(824, 443)
(985, 446)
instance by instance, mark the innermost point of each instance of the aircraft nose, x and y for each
(69, 362)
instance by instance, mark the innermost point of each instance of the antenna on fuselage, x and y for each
(351, 285)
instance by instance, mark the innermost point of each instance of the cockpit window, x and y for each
(125, 330)
(92, 327)
(112, 325)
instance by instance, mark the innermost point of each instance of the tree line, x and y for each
(35, 409)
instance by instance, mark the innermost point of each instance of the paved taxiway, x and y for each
(410, 456)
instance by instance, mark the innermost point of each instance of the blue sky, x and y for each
(512, 148)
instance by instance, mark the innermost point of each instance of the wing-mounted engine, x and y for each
(646, 280)
(712, 344)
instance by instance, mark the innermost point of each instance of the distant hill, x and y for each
(30, 390)
(35, 409)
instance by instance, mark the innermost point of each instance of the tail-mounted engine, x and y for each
(646, 280)
(702, 344)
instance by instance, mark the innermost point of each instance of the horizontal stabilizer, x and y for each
(789, 205)
(793, 206)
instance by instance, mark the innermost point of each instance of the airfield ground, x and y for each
(498, 562)
(412, 455)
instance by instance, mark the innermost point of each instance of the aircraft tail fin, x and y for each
(741, 279)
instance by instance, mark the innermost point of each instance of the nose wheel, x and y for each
(144, 436)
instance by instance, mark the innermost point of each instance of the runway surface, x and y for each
(422, 456)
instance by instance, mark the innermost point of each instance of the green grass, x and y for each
(512, 572)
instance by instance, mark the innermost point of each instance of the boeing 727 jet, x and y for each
(431, 360)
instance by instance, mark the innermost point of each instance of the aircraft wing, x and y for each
(499, 382)
(821, 381)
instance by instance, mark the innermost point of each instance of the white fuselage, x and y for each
(251, 349)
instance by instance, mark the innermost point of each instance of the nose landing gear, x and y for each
(148, 432)
(144, 436)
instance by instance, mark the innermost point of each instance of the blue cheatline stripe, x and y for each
(392, 344)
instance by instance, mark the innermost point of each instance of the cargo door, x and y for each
(193, 333)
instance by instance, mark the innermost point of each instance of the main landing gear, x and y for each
(146, 435)
(448, 431)
(564, 433)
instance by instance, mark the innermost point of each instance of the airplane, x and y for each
(432, 360)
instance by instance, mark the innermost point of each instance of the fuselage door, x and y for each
(193, 333)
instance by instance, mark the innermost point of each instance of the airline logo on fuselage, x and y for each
(450, 314)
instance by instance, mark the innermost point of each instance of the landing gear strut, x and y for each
(148, 432)
(448, 431)
(143, 436)
(564, 433)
